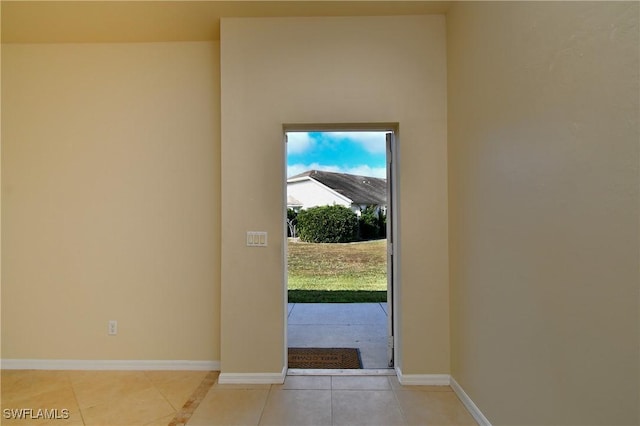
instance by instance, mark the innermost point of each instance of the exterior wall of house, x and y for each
(312, 194)
(283, 70)
(544, 192)
(111, 201)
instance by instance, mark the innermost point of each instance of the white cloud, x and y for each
(362, 170)
(298, 142)
(373, 142)
(366, 170)
(294, 169)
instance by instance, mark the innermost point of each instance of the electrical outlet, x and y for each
(113, 327)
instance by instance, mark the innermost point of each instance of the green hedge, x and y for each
(369, 224)
(328, 224)
(337, 296)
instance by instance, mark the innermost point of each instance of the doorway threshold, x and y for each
(341, 372)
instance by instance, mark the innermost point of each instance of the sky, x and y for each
(359, 153)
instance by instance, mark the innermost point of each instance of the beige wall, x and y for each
(543, 168)
(113, 173)
(110, 201)
(331, 70)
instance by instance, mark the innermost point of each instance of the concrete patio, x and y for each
(349, 325)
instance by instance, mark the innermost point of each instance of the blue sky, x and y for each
(361, 153)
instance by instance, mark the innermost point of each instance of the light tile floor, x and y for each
(332, 400)
(97, 397)
(153, 398)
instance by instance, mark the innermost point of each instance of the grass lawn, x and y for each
(351, 272)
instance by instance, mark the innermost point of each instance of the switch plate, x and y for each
(256, 239)
(113, 328)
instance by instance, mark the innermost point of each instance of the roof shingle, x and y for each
(360, 189)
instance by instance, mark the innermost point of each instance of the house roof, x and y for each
(360, 189)
(293, 202)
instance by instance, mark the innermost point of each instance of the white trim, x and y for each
(253, 378)
(297, 179)
(81, 364)
(469, 404)
(423, 379)
(341, 372)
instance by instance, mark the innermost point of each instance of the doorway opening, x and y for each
(339, 255)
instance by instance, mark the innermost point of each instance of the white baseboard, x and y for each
(444, 380)
(469, 404)
(79, 364)
(423, 379)
(252, 378)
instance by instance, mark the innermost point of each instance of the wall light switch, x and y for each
(256, 239)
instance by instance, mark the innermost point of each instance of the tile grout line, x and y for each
(73, 390)
(383, 310)
(185, 413)
(331, 400)
(266, 400)
(395, 396)
(155, 386)
(166, 398)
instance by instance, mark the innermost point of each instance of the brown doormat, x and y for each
(324, 358)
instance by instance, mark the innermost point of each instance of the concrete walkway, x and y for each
(344, 325)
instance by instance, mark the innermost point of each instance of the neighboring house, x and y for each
(293, 203)
(318, 188)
